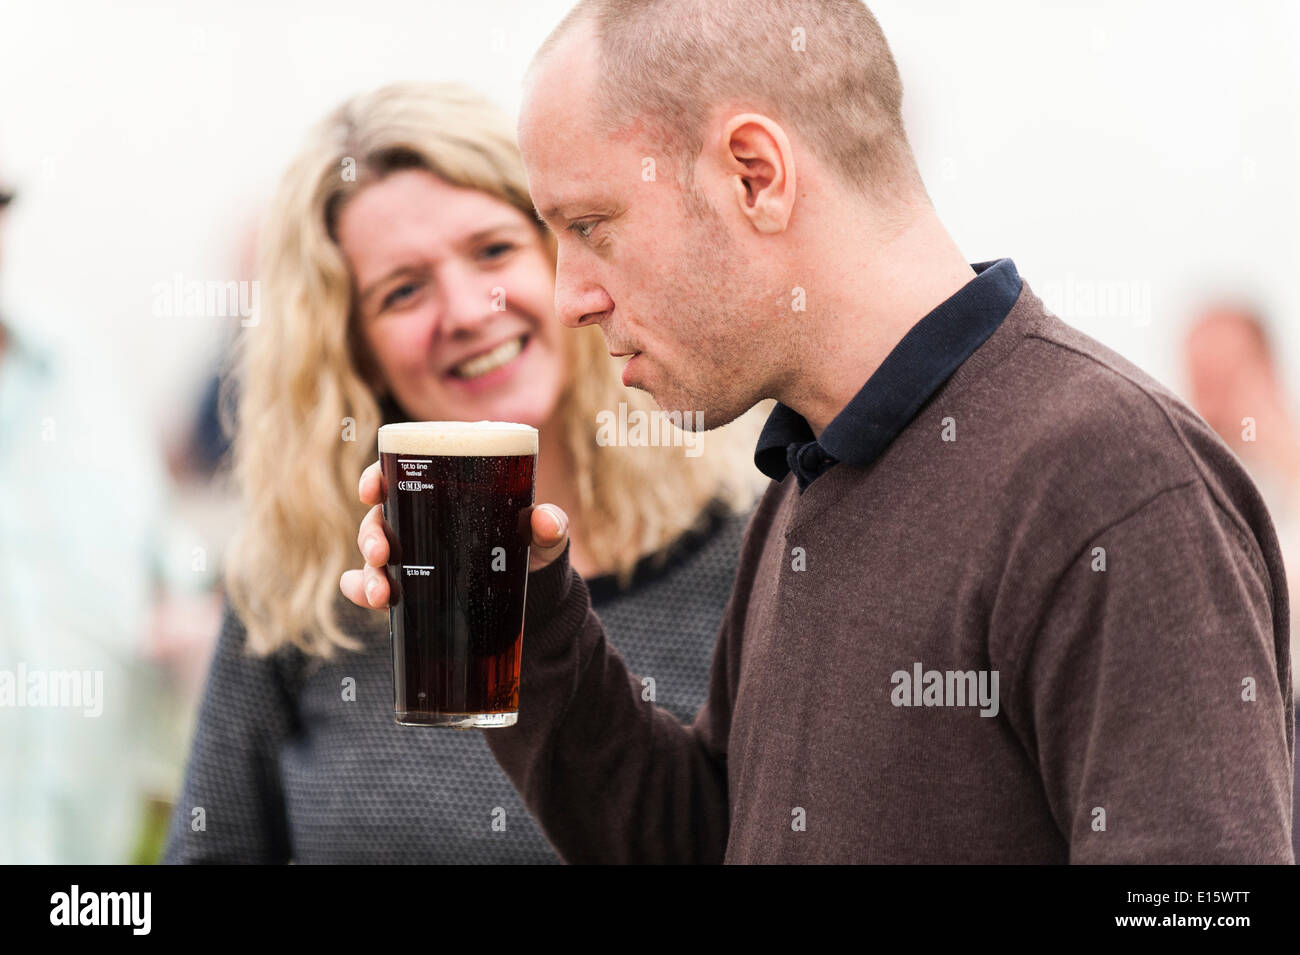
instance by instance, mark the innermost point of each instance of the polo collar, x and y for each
(910, 374)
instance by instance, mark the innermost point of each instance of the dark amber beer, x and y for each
(459, 500)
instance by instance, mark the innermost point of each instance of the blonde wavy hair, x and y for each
(308, 414)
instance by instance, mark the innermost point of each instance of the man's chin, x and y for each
(691, 415)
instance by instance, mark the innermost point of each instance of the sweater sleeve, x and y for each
(611, 777)
(1152, 697)
(233, 772)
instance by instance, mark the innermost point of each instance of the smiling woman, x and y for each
(405, 276)
(456, 297)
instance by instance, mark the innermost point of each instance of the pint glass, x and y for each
(460, 496)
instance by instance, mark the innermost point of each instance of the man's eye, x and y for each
(583, 228)
(399, 294)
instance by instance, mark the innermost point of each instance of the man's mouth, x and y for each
(628, 366)
(490, 361)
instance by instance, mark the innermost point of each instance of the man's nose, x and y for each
(579, 299)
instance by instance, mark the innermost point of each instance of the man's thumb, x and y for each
(559, 523)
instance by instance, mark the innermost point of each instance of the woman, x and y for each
(405, 277)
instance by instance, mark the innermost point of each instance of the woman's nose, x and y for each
(471, 301)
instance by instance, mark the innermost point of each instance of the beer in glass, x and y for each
(459, 503)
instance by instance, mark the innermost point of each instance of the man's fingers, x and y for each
(373, 537)
(369, 587)
(371, 488)
(376, 588)
(366, 588)
(353, 585)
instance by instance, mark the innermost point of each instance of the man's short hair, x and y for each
(819, 67)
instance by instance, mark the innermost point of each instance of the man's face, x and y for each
(654, 266)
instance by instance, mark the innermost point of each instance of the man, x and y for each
(1007, 599)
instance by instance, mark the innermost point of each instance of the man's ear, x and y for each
(760, 163)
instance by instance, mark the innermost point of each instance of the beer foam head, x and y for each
(458, 438)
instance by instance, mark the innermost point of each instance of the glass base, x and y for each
(460, 721)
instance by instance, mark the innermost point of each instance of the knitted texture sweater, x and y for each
(1048, 623)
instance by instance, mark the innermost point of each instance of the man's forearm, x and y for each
(609, 776)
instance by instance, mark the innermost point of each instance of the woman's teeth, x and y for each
(476, 367)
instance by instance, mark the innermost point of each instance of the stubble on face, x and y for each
(722, 305)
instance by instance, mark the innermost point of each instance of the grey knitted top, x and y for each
(284, 767)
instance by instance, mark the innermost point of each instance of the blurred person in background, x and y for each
(391, 239)
(1232, 374)
(80, 715)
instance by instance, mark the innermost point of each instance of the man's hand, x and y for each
(368, 587)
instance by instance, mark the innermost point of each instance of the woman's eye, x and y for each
(399, 294)
(496, 250)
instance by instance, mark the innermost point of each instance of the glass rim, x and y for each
(461, 426)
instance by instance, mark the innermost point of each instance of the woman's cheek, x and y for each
(400, 358)
(523, 295)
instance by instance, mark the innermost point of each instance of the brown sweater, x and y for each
(1052, 515)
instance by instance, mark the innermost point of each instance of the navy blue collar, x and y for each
(923, 360)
